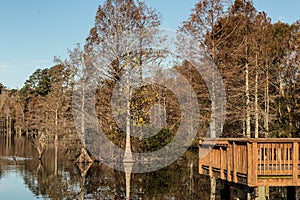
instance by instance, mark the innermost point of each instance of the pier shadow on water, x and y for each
(24, 176)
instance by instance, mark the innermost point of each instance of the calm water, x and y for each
(27, 177)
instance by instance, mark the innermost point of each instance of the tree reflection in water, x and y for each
(69, 180)
(97, 181)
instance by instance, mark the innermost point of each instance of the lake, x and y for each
(24, 176)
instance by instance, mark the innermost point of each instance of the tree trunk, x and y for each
(248, 117)
(281, 87)
(128, 169)
(55, 159)
(40, 151)
(213, 95)
(267, 103)
(191, 179)
(213, 111)
(56, 143)
(82, 116)
(213, 188)
(256, 100)
(128, 153)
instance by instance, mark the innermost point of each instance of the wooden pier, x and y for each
(252, 162)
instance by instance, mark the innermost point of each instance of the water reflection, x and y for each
(41, 178)
(12, 185)
(54, 177)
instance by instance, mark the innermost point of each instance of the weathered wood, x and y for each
(210, 162)
(234, 162)
(200, 162)
(253, 161)
(222, 160)
(295, 162)
(250, 164)
(229, 159)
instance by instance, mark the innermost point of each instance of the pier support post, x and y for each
(213, 188)
(262, 193)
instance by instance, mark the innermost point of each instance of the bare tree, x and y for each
(117, 50)
(200, 27)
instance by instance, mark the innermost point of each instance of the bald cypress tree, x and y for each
(115, 54)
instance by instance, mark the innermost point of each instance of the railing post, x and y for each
(295, 162)
(222, 164)
(249, 163)
(229, 160)
(234, 163)
(254, 162)
(200, 159)
(211, 156)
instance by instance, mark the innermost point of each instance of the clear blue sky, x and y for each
(34, 31)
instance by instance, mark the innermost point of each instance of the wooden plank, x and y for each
(284, 156)
(222, 175)
(271, 158)
(265, 157)
(295, 162)
(234, 162)
(249, 164)
(229, 162)
(277, 158)
(218, 156)
(260, 157)
(255, 159)
(210, 155)
(225, 141)
(289, 156)
(200, 170)
(274, 182)
(279, 149)
(244, 157)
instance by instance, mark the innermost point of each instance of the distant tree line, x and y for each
(258, 61)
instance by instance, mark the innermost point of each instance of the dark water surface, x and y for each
(23, 176)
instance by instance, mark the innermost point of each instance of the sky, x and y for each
(33, 32)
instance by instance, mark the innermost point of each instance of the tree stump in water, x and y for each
(84, 157)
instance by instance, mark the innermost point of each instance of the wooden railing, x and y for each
(252, 162)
